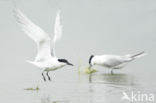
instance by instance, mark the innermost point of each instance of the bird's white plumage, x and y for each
(46, 59)
(107, 60)
(45, 45)
(57, 31)
(114, 61)
(58, 27)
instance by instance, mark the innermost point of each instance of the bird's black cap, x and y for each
(65, 61)
(90, 59)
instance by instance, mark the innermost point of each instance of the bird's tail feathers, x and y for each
(28, 61)
(33, 63)
(138, 55)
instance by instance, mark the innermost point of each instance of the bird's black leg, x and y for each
(43, 76)
(48, 76)
(112, 71)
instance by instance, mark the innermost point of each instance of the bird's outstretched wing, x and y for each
(35, 33)
(57, 32)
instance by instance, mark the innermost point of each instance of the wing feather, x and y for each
(35, 33)
(57, 32)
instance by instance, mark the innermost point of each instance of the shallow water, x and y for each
(99, 88)
(90, 27)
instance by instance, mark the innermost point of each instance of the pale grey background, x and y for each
(89, 27)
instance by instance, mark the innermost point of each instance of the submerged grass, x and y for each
(90, 71)
(33, 89)
(85, 70)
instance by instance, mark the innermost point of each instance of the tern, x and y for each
(113, 61)
(46, 59)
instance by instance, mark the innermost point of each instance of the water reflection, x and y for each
(45, 100)
(103, 87)
(115, 80)
(48, 99)
(94, 88)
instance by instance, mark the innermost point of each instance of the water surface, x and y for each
(90, 27)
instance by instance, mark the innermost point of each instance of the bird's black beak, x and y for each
(70, 64)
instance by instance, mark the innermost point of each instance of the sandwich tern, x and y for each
(46, 59)
(113, 61)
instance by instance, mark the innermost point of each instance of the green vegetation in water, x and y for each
(79, 67)
(33, 89)
(85, 70)
(90, 71)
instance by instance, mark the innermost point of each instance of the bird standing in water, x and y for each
(46, 59)
(113, 61)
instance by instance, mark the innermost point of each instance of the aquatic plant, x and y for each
(90, 71)
(33, 89)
